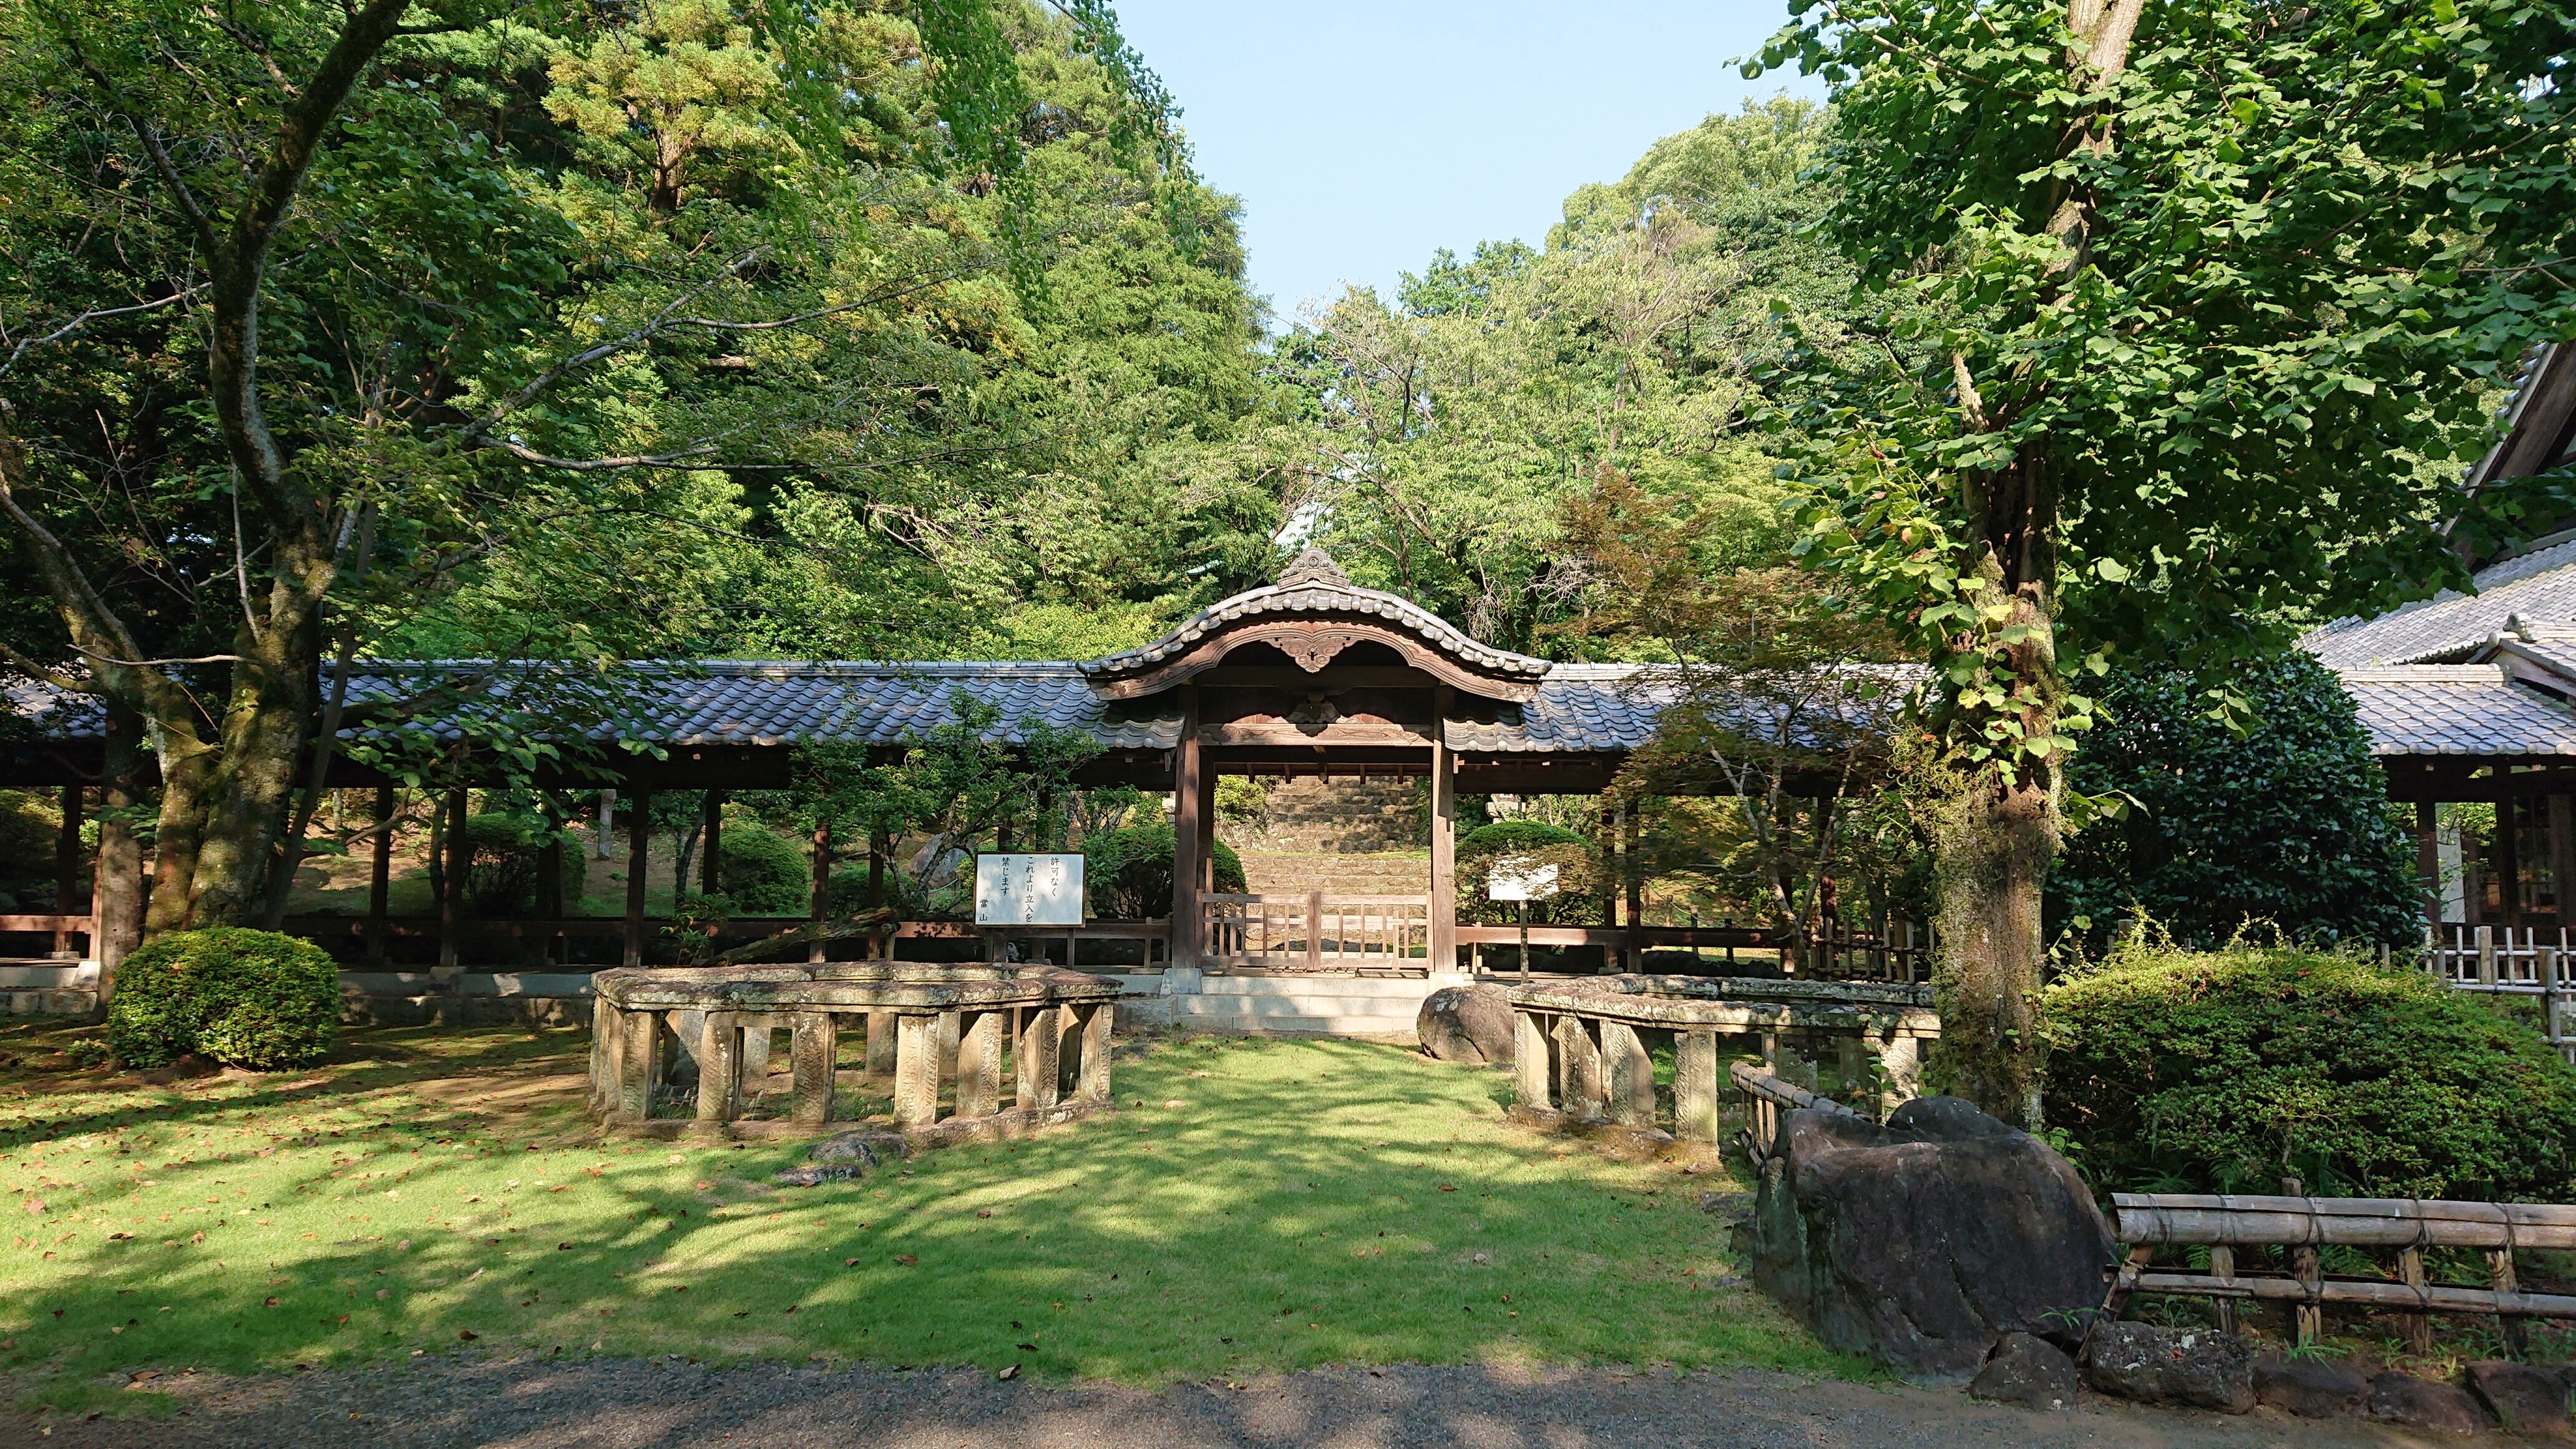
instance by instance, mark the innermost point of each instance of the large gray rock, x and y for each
(2525, 1398)
(1922, 1242)
(2423, 1404)
(2312, 1388)
(2201, 1367)
(2028, 1371)
(1470, 1024)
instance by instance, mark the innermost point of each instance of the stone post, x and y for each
(916, 1070)
(1035, 1056)
(720, 1067)
(881, 1043)
(1695, 1086)
(1530, 1061)
(1629, 1074)
(1579, 1087)
(815, 1048)
(1093, 1083)
(640, 1064)
(979, 1064)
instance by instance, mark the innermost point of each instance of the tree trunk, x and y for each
(185, 780)
(266, 725)
(1994, 855)
(120, 853)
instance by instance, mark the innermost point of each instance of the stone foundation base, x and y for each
(997, 1127)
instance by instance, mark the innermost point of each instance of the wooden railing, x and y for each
(2303, 1225)
(1316, 932)
(1152, 933)
(1770, 1096)
(2530, 961)
(61, 927)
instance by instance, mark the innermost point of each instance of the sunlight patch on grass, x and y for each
(1306, 1203)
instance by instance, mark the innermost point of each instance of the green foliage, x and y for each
(1127, 872)
(1437, 435)
(2226, 1071)
(1511, 837)
(505, 852)
(764, 873)
(2283, 824)
(2197, 335)
(247, 998)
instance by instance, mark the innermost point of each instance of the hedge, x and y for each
(248, 998)
(2225, 1071)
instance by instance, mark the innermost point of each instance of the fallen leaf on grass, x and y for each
(849, 1262)
(269, 1303)
(1448, 1187)
(1009, 1373)
(906, 1259)
(467, 1335)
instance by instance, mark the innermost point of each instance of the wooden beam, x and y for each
(2428, 861)
(711, 828)
(639, 829)
(2562, 856)
(1185, 834)
(67, 859)
(451, 898)
(2508, 862)
(1443, 933)
(822, 904)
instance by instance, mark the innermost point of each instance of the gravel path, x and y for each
(627, 1404)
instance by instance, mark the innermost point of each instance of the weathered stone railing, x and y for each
(1053, 1024)
(1585, 1046)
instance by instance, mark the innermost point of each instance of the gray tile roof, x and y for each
(1578, 708)
(1314, 585)
(2457, 709)
(2539, 586)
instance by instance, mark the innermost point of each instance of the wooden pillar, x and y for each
(711, 827)
(2562, 856)
(813, 1050)
(880, 947)
(2428, 860)
(1185, 835)
(1443, 948)
(1632, 878)
(1609, 879)
(2508, 862)
(452, 897)
(814, 951)
(550, 901)
(380, 873)
(67, 862)
(639, 830)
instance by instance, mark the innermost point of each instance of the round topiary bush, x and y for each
(763, 872)
(2229, 1070)
(248, 998)
(1127, 872)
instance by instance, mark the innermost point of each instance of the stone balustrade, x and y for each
(925, 1023)
(1585, 1047)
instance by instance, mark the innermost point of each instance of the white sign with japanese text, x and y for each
(1520, 880)
(1028, 889)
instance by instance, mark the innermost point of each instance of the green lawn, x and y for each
(1270, 1205)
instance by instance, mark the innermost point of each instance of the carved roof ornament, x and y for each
(1314, 567)
(1313, 614)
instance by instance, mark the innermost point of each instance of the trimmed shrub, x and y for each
(764, 872)
(503, 855)
(1578, 874)
(2225, 1071)
(249, 998)
(2285, 825)
(1127, 872)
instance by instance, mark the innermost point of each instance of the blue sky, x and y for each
(1361, 136)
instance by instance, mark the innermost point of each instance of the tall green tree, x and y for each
(484, 328)
(2211, 300)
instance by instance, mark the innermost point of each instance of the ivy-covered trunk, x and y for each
(2003, 832)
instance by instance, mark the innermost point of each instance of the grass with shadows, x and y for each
(1252, 1206)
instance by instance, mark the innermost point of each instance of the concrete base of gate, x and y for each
(1300, 1005)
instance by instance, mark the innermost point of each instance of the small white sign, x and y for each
(1520, 880)
(1027, 889)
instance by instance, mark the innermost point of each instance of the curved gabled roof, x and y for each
(1315, 597)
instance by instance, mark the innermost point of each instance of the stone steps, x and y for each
(1303, 1005)
(1377, 874)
